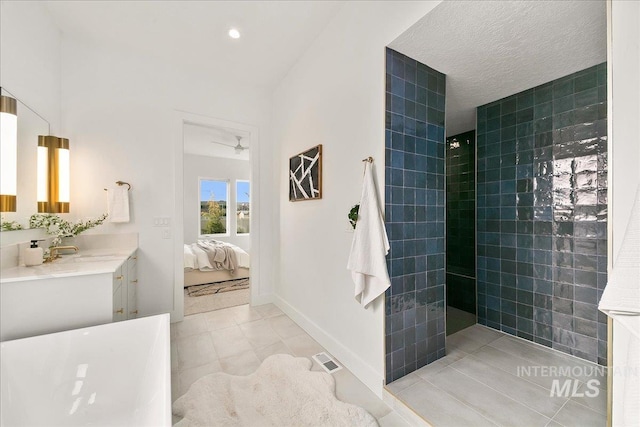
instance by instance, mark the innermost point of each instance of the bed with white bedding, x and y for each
(210, 261)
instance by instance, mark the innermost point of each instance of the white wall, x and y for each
(334, 96)
(119, 112)
(624, 154)
(30, 70)
(624, 169)
(30, 58)
(196, 167)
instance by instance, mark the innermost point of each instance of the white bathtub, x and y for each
(118, 374)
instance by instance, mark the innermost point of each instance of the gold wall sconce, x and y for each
(8, 153)
(54, 179)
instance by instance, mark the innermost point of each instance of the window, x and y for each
(214, 197)
(242, 206)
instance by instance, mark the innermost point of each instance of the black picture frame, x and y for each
(305, 175)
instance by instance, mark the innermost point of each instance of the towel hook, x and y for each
(367, 160)
(122, 183)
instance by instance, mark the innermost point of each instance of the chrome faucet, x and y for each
(53, 252)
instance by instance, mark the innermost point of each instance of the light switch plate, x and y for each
(161, 221)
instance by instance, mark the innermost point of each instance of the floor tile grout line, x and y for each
(551, 350)
(466, 337)
(504, 370)
(485, 328)
(412, 374)
(535, 363)
(420, 379)
(182, 369)
(514, 354)
(588, 408)
(408, 408)
(532, 344)
(501, 393)
(462, 402)
(513, 375)
(558, 411)
(424, 417)
(251, 341)
(253, 346)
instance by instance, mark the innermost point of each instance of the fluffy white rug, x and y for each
(282, 392)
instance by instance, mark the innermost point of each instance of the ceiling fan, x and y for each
(239, 148)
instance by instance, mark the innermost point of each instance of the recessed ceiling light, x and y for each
(234, 34)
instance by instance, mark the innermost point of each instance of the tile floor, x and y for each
(236, 340)
(458, 320)
(482, 381)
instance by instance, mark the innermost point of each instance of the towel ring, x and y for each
(122, 183)
(368, 159)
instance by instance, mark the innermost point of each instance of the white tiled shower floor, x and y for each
(483, 380)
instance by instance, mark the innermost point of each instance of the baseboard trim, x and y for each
(362, 370)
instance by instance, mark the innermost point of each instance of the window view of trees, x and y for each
(213, 206)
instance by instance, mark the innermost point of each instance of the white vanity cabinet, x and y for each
(125, 283)
(132, 287)
(119, 301)
(90, 288)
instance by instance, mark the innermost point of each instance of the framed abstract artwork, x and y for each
(305, 175)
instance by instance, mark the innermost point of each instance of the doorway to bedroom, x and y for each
(217, 217)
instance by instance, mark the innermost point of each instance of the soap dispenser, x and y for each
(33, 255)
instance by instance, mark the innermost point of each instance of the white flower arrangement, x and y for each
(10, 226)
(60, 228)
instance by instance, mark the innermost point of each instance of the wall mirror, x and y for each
(30, 125)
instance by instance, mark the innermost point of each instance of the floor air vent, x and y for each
(327, 362)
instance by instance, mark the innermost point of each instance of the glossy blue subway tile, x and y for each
(410, 90)
(410, 71)
(415, 184)
(397, 88)
(555, 160)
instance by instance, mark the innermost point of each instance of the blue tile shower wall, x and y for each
(542, 212)
(414, 214)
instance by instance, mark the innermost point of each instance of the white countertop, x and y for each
(85, 262)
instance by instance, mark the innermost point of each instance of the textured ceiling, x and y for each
(492, 49)
(194, 33)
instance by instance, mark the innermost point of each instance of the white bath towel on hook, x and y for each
(621, 302)
(370, 245)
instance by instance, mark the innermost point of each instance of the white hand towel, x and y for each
(369, 247)
(118, 204)
(621, 301)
